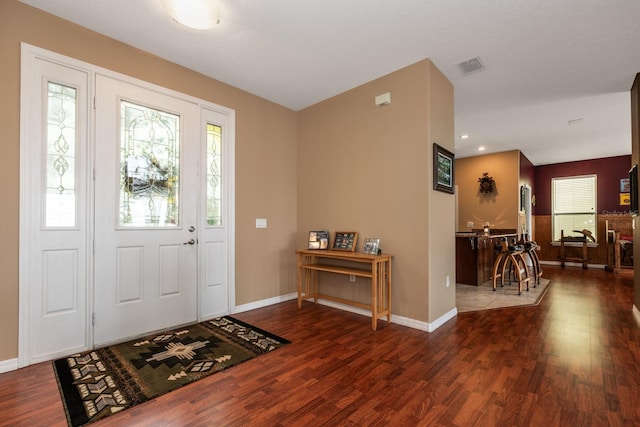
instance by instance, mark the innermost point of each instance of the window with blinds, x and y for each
(573, 204)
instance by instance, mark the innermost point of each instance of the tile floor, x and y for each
(474, 298)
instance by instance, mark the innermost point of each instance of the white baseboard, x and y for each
(636, 314)
(264, 303)
(8, 365)
(399, 320)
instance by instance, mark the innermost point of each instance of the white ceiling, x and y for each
(548, 62)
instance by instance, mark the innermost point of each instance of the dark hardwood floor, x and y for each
(574, 360)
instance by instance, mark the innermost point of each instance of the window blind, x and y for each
(574, 204)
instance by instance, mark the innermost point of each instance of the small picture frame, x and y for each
(443, 169)
(319, 239)
(370, 245)
(345, 241)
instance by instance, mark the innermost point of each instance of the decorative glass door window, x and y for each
(60, 202)
(214, 174)
(149, 167)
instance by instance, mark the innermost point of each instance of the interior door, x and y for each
(146, 192)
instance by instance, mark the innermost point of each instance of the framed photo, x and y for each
(625, 185)
(370, 245)
(345, 241)
(319, 239)
(443, 169)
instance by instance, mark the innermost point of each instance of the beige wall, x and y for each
(368, 169)
(266, 153)
(500, 208)
(442, 208)
(342, 164)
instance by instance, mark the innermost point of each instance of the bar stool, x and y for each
(530, 247)
(512, 257)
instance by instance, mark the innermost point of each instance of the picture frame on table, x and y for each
(443, 169)
(319, 239)
(370, 245)
(345, 241)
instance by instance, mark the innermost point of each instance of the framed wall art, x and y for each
(345, 241)
(443, 169)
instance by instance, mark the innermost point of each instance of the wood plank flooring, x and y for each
(573, 360)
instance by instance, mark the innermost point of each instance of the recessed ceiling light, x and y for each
(481, 148)
(196, 14)
(464, 136)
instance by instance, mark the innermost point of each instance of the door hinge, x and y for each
(93, 319)
(94, 174)
(94, 102)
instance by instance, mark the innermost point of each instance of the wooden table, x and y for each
(375, 267)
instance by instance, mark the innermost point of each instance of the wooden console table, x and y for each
(375, 267)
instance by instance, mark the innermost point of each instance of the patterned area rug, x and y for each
(101, 382)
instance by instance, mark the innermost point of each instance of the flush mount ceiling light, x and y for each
(197, 14)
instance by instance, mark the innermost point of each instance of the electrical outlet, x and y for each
(469, 224)
(352, 277)
(447, 281)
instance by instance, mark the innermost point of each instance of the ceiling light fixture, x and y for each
(482, 148)
(464, 136)
(196, 14)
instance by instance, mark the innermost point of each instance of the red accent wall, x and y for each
(609, 170)
(527, 173)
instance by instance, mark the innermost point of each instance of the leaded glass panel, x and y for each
(60, 202)
(150, 167)
(214, 175)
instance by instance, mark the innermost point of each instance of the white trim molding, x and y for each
(8, 365)
(264, 303)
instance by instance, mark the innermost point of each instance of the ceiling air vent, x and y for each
(471, 66)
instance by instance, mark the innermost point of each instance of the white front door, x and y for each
(150, 245)
(54, 277)
(146, 205)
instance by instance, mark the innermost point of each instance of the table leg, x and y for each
(300, 272)
(388, 284)
(374, 295)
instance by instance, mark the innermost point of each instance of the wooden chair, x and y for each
(563, 254)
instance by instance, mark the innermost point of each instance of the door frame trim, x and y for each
(28, 54)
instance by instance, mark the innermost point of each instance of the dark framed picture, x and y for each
(319, 239)
(345, 241)
(443, 169)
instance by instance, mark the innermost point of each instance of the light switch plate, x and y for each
(261, 223)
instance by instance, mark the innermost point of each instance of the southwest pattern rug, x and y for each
(102, 382)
